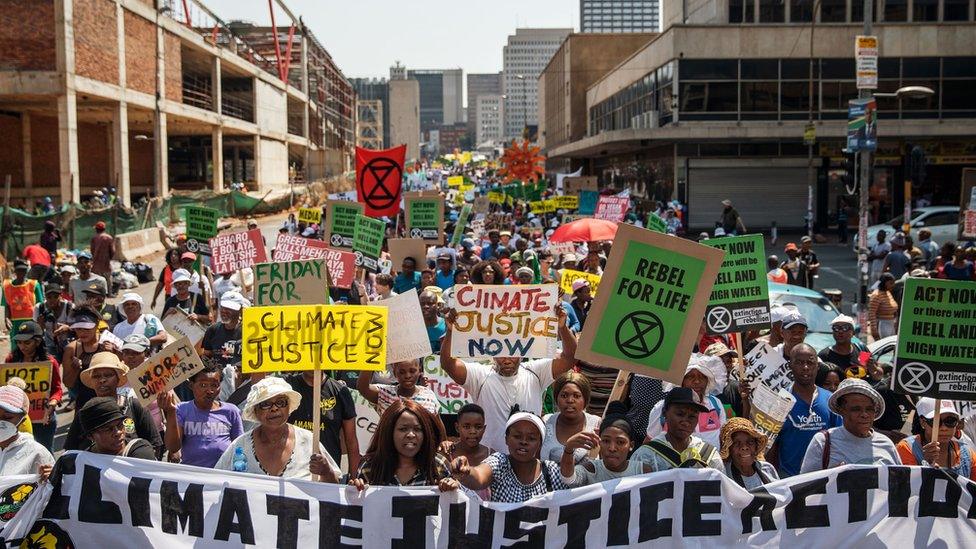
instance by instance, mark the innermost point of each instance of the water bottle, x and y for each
(240, 460)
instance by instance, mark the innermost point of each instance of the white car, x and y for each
(943, 221)
(883, 350)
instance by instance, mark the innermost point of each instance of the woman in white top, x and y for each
(137, 322)
(572, 392)
(698, 378)
(274, 447)
(20, 454)
(614, 441)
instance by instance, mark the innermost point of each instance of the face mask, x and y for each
(7, 430)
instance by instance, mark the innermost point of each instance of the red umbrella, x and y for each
(585, 230)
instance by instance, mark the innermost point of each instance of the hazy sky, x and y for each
(365, 37)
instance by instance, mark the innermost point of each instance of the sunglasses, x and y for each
(268, 404)
(949, 422)
(841, 327)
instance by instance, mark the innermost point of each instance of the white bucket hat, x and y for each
(267, 389)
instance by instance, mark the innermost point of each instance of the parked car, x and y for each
(815, 307)
(943, 221)
(883, 350)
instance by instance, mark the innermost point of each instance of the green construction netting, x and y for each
(77, 223)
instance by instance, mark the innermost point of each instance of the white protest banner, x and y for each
(108, 337)
(768, 410)
(291, 283)
(451, 395)
(14, 493)
(504, 321)
(767, 365)
(367, 420)
(230, 252)
(178, 323)
(562, 248)
(406, 333)
(164, 370)
(95, 500)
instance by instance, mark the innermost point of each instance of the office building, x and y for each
(524, 56)
(490, 116)
(441, 96)
(375, 89)
(682, 118)
(617, 16)
(405, 116)
(478, 85)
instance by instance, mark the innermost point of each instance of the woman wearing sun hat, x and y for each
(949, 451)
(855, 442)
(274, 447)
(742, 451)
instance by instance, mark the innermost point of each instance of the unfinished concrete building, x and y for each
(152, 95)
(369, 124)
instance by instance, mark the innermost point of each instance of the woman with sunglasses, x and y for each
(274, 447)
(949, 451)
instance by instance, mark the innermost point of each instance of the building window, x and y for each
(833, 11)
(925, 10)
(709, 69)
(958, 94)
(709, 97)
(955, 10)
(760, 96)
(760, 69)
(857, 11)
(772, 11)
(801, 11)
(736, 10)
(895, 10)
(795, 96)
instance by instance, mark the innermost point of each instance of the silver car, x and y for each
(942, 221)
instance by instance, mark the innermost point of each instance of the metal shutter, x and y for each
(761, 195)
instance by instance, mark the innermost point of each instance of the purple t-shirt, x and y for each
(206, 434)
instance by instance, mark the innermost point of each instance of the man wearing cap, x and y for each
(855, 442)
(222, 340)
(20, 454)
(794, 332)
(444, 278)
(53, 316)
(199, 284)
(775, 336)
(85, 278)
(508, 381)
(109, 314)
(66, 273)
(137, 322)
(677, 447)
(20, 296)
(948, 452)
(810, 414)
(103, 422)
(844, 353)
(809, 257)
(796, 268)
(102, 251)
(190, 303)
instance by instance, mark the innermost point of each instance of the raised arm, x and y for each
(453, 366)
(365, 388)
(475, 478)
(174, 435)
(566, 359)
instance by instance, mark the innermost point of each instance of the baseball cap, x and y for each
(69, 269)
(842, 319)
(580, 283)
(189, 255)
(778, 313)
(794, 318)
(21, 264)
(84, 255)
(230, 303)
(94, 288)
(52, 288)
(569, 257)
(926, 408)
(718, 349)
(28, 330)
(726, 202)
(135, 342)
(444, 255)
(806, 239)
(100, 225)
(719, 231)
(683, 395)
(790, 246)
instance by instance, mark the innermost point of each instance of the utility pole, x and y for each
(865, 176)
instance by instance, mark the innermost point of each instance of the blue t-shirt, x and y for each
(445, 281)
(490, 251)
(435, 333)
(803, 422)
(403, 284)
(206, 434)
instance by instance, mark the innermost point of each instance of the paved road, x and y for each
(838, 265)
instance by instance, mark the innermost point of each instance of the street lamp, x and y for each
(911, 92)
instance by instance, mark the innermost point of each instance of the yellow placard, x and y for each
(37, 376)
(537, 206)
(496, 198)
(569, 276)
(455, 181)
(299, 337)
(310, 215)
(465, 188)
(566, 202)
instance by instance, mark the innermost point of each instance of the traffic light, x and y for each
(916, 164)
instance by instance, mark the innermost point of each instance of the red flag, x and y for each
(379, 177)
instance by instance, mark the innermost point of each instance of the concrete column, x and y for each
(215, 92)
(236, 173)
(68, 173)
(258, 177)
(161, 155)
(217, 157)
(25, 138)
(120, 153)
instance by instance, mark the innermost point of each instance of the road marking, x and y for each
(835, 272)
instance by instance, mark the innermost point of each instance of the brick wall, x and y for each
(45, 153)
(174, 68)
(140, 54)
(94, 161)
(32, 50)
(11, 153)
(96, 44)
(140, 162)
